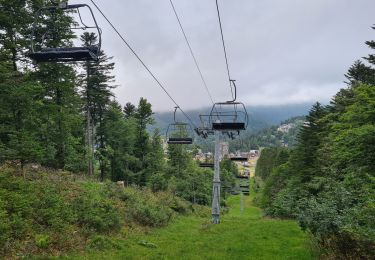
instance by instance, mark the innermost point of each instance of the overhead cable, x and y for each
(141, 61)
(225, 51)
(191, 52)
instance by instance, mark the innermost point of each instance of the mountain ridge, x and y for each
(260, 117)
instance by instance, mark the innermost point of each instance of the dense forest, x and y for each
(326, 181)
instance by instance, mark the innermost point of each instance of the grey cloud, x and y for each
(280, 52)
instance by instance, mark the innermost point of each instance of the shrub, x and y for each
(42, 241)
(97, 213)
(50, 204)
(5, 227)
(102, 243)
(145, 208)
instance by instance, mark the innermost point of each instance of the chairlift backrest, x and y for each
(179, 132)
(206, 165)
(239, 158)
(229, 116)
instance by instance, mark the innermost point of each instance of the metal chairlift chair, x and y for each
(206, 165)
(179, 132)
(41, 53)
(204, 130)
(229, 116)
(239, 158)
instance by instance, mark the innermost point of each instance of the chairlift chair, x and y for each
(239, 158)
(229, 116)
(204, 130)
(40, 52)
(206, 165)
(179, 132)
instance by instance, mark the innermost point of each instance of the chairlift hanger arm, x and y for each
(232, 82)
(174, 114)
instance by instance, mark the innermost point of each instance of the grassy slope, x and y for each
(243, 235)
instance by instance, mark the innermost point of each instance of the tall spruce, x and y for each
(143, 118)
(96, 83)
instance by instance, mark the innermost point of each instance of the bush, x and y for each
(36, 214)
(102, 243)
(42, 241)
(146, 208)
(5, 227)
(97, 213)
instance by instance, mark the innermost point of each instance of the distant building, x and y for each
(254, 153)
(285, 128)
(223, 150)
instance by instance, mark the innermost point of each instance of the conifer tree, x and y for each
(143, 118)
(129, 110)
(19, 92)
(96, 82)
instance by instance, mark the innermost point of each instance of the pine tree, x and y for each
(155, 163)
(360, 73)
(96, 82)
(61, 129)
(19, 93)
(371, 44)
(143, 118)
(117, 155)
(129, 110)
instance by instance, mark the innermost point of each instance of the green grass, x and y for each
(240, 235)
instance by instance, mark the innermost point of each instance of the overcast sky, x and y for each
(279, 51)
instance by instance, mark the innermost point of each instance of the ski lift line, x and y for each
(225, 51)
(191, 52)
(141, 61)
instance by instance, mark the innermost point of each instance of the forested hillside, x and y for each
(327, 182)
(260, 117)
(271, 136)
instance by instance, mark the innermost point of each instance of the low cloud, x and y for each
(280, 52)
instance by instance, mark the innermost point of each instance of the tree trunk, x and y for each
(89, 142)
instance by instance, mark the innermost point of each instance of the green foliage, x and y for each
(38, 213)
(328, 181)
(97, 213)
(103, 243)
(241, 235)
(269, 159)
(42, 241)
(146, 208)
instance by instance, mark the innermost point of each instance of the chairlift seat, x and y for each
(176, 140)
(231, 126)
(66, 54)
(206, 165)
(239, 159)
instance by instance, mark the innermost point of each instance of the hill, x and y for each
(260, 117)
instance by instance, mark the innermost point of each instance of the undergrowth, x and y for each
(50, 213)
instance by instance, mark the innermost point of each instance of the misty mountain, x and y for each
(260, 117)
